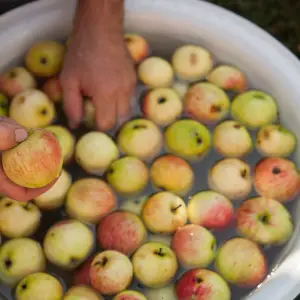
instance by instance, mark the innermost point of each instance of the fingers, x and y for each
(11, 133)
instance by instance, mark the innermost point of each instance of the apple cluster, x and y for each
(114, 232)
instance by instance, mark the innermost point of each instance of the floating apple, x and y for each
(134, 205)
(53, 90)
(130, 295)
(137, 46)
(165, 293)
(82, 292)
(3, 105)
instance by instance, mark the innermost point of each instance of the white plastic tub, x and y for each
(167, 23)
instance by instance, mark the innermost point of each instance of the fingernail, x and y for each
(20, 135)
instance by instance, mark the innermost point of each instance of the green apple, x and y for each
(82, 292)
(3, 105)
(134, 205)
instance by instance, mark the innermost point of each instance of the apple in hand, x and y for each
(130, 295)
(34, 163)
(68, 243)
(111, 272)
(53, 90)
(82, 292)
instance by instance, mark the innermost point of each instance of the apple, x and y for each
(32, 109)
(3, 105)
(82, 292)
(137, 46)
(130, 295)
(154, 265)
(241, 262)
(15, 81)
(181, 88)
(228, 78)
(66, 141)
(95, 151)
(254, 109)
(35, 162)
(68, 243)
(118, 171)
(89, 200)
(160, 238)
(172, 173)
(53, 90)
(81, 275)
(45, 58)
(164, 212)
(276, 141)
(210, 209)
(232, 139)
(20, 257)
(265, 221)
(276, 178)
(194, 246)
(39, 286)
(89, 119)
(162, 106)
(188, 139)
(165, 293)
(111, 272)
(122, 231)
(56, 195)
(140, 138)
(207, 103)
(231, 177)
(203, 284)
(155, 72)
(191, 62)
(18, 219)
(134, 205)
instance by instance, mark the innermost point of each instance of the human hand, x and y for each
(11, 133)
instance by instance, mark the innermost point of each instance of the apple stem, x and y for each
(160, 252)
(175, 208)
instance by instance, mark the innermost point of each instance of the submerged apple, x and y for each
(53, 90)
(130, 295)
(82, 292)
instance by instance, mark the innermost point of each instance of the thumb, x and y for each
(11, 133)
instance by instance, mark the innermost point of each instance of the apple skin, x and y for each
(89, 200)
(32, 109)
(20, 257)
(68, 243)
(82, 292)
(130, 295)
(134, 205)
(265, 221)
(53, 90)
(111, 272)
(198, 284)
(276, 178)
(3, 105)
(45, 58)
(81, 275)
(164, 212)
(121, 231)
(194, 246)
(18, 219)
(165, 293)
(231, 264)
(55, 196)
(15, 81)
(34, 163)
(172, 173)
(137, 46)
(41, 286)
(210, 209)
(154, 265)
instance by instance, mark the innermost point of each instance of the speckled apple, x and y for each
(32, 109)
(45, 58)
(162, 106)
(276, 178)
(210, 209)
(165, 293)
(207, 103)
(128, 175)
(172, 173)
(164, 212)
(191, 62)
(203, 284)
(276, 141)
(231, 177)
(111, 272)
(137, 46)
(95, 151)
(140, 138)
(265, 221)
(188, 139)
(233, 267)
(122, 231)
(254, 109)
(194, 246)
(82, 292)
(154, 265)
(89, 200)
(134, 205)
(35, 162)
(130, 295)
(68, 243)
(228, 78)
(18, 219)
(15, 81)
(3, 105)
(20, 257)
(53, 89)
(232, 139)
